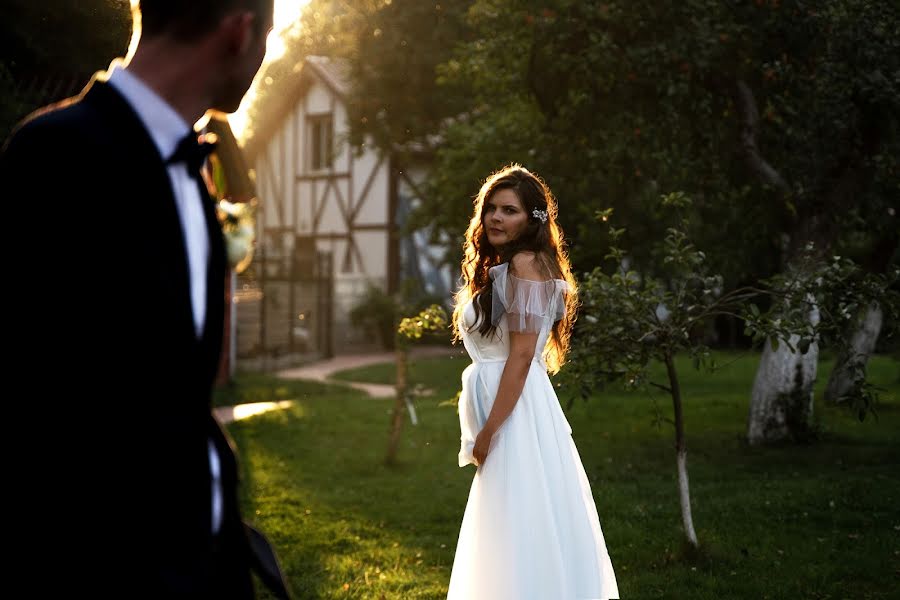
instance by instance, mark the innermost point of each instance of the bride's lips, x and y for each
(495, 230)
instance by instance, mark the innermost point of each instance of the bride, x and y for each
(530, 529)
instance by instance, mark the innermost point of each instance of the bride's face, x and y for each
(504, 217)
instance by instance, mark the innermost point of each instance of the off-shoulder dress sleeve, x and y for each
(525, 302)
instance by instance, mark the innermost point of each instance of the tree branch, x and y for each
(714, 313)
(660, 386)
(750, 129)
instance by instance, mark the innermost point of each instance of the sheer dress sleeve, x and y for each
(525, 302)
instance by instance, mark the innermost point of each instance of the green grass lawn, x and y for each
(820, 520)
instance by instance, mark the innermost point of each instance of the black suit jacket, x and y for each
(118, 386)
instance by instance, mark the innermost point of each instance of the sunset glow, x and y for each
(286, 13)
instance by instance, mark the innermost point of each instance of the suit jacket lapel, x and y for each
(152, 184)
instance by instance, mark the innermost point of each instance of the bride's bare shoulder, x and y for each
(530, 265)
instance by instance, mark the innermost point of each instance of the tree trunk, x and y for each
(399, 403)
(684, 493)
(781, 405)
(850, 368)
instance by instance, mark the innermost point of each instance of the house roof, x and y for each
(334, 72)
(273, 107)
(289, 85)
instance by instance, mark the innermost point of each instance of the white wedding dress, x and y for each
(530, 530)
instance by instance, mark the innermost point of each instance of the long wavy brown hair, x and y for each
(544, 239)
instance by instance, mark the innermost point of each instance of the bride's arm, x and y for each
(521, 353)
(524, 305)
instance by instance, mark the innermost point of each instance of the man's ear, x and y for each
(239, 31)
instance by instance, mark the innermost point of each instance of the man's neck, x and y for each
(178, 73)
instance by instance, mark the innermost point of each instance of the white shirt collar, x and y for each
(163, 122)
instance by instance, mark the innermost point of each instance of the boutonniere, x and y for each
(210, 183)
(212, 172)
(238, 221)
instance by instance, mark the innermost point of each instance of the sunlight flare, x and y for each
(227, 414)
(286, 14)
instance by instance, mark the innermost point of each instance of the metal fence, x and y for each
(284, 310)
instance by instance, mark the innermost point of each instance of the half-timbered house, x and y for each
(330, 215)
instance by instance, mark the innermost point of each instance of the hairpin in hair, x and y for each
(539, 214)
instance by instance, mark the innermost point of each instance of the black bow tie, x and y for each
(191, 152)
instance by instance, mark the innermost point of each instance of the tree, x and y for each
(832, 88)
(780, 119)
(607, 103)
(865, 328)
(396, 96)
(35, 70)
(631, 318)
(410, 330)
(392, 48)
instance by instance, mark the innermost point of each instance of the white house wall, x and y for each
(297, 201)
(373, 246)
(375, 204)
(343, 159)
(290, 143)
(331, 202)
(318, 99)
(271, 183)
(303, 190)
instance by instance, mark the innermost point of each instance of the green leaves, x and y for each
(630, 317)
(48, 47)
(676, 200)
(429, 320)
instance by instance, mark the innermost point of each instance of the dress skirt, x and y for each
(530, 529)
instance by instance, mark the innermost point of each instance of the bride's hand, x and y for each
(482, 446)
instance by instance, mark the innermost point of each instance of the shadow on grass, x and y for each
(315, 484)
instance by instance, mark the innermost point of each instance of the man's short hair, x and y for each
(190, 19)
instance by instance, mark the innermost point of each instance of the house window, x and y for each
(321, 155)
